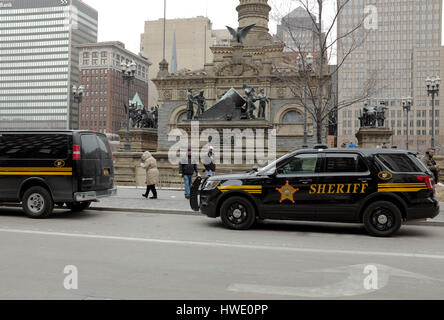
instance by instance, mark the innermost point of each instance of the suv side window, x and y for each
(344, 163)
(300, 164)
(398, 162)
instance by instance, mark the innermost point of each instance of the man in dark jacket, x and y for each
(187, 167)
(431, 163)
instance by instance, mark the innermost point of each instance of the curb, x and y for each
(150, 211)
(192, 213)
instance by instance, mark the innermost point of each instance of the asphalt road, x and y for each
(160, 256)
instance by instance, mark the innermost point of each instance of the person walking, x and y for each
(187, 168)
(209, 163)
(430, 162)
(152, 174)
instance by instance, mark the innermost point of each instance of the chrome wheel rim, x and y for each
(383, 219)
(237, 213)
(36, 203)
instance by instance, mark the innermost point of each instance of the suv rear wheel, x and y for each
(237, 213)
(382, 219)
(78, 206)
(37, 203)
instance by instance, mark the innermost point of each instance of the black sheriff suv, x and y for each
(380, 188)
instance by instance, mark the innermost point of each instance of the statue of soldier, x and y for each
(251, 99)
(133, 114)
(156, 116)
(380, 114)
(190, 105)
(263, 99)
(201, 104)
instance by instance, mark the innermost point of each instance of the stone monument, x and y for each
(373, 131)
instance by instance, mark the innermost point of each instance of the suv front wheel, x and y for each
(237, 213)
(382, 219)
(37, 203)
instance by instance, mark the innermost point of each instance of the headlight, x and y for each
(210, 185)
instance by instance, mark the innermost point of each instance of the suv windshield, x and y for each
(271, 168)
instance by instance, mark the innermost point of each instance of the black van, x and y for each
(41, 169)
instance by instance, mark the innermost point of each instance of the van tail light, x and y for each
(76, 152)
(429, 181)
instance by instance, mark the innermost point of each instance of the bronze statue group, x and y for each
(247, 110)
(373, 117)
(143, 119)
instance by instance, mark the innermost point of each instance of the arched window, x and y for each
(292, 117)
(182, 117)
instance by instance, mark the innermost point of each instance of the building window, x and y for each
(182, 117)
(292, 117)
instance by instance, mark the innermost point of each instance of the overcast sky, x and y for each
(124, 20)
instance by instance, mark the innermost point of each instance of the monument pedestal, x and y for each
(141, 140)
(127, 164)
(373, 137)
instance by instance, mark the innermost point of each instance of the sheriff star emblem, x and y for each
(287, 192)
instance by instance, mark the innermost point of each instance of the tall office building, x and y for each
(397, 56)
(39, 61)
(102, 108)
(194, 37)
(297, 30)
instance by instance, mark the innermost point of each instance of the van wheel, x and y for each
(382, 219)
(237, 213)
(78, 206)
(37, 203)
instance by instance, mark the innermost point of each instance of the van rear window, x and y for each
(90, 147)
(34, 146)
(399, 162)
(104, 147)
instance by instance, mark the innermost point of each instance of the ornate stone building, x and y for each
(258, 61)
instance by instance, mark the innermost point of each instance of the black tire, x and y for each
(78, 206)
(237, 213)
(382, 219)
(37, 203)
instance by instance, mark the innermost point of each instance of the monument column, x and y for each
(254, 12)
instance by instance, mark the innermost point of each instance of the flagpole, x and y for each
(164, 28)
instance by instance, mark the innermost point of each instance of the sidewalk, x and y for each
(173, 201)
(169, 201)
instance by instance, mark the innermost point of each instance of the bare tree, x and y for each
(311, 83)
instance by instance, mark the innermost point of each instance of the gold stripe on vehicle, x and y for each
(35, 173)
(401, 189)
(34, 169)
(241, 187)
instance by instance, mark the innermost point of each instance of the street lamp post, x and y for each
(433, 90)
(407, 106)
(128, 75)
(77, 95)
(305, 68)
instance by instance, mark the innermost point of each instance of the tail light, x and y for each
(429, 181)
(76, 152)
